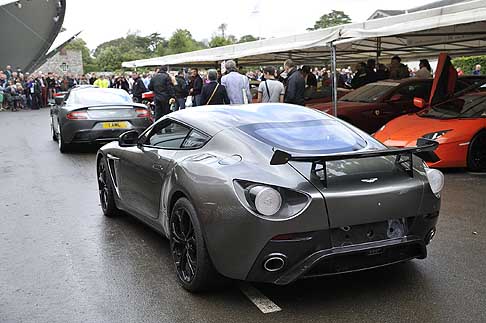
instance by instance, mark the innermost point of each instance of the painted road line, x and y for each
(263, 303)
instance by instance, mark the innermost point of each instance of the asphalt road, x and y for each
(62, 261)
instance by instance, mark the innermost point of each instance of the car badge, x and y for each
(369, 180)
(377, 113)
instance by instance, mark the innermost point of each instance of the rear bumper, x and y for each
(313, 256)
(99, 136)
(89, 131)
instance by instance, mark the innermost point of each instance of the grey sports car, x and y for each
(88, 114)
(271, 193)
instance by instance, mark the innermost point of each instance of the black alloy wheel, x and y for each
(105, 189)
(476, 159)
(184, 248)
(194, 269)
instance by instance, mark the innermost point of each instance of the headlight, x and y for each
(267, 200)
(436, 180)
(435, 135)
(271, 202)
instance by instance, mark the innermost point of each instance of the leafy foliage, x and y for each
(247, 38)
(218, 41)
(334, 18)
(181, 42)
(88, 61)
(110, 55)
(467, 64)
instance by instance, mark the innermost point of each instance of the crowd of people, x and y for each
(229, 87)
(286, 84)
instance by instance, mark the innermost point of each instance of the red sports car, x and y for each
(373, 105)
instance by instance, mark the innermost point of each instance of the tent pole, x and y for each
(378, 50)
(334, 79)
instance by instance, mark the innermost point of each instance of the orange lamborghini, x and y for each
(456, 120)
(458, 125)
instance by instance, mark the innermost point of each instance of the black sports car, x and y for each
(271, 193)
(89, 114)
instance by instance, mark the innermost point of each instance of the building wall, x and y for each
(64, 62)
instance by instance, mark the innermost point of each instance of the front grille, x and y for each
(365, 259)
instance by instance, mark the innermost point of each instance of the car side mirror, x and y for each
(419, 103)
(396, 98)
(128, 139)
(59, 100)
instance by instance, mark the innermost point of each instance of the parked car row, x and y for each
(386, 109)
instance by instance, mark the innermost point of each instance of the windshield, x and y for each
(100, 97)
(471, 106)
(369, 93)
(308, 137)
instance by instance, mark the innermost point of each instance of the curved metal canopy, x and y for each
(28, 29)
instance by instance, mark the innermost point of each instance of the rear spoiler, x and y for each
(425, 151)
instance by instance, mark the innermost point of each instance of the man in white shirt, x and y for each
(237, 85)
(270, 90)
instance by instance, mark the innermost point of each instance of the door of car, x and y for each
(145, 168)
(400, 101)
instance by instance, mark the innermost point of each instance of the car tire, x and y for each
(53, 133)
(63, 146)
(476, 157)
(194, 269)
(105, 189)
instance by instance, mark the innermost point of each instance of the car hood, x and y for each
(342, 106)
(405, 130)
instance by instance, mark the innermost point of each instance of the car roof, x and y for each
(213, 119)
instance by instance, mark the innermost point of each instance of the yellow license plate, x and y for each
(115, 125)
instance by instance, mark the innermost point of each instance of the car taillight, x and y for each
(77, 115)
(142, 113)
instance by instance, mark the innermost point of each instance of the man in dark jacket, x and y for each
(214, 93)
(295, 82)
(161, 85)
(138, 88)
(195, 87)
(181, 91)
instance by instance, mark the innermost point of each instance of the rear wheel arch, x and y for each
(480, 133)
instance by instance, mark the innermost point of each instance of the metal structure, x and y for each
(27, 31)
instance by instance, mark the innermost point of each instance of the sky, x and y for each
(104, 20)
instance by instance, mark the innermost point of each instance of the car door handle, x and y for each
(157, 167)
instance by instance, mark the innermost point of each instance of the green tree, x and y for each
(89, 62)
(467, 64)
(247, 38)
(218, 41)
(223, 27)
(181, 42)
(334, 18)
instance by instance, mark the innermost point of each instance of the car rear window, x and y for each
(92, 97)
(307, 137)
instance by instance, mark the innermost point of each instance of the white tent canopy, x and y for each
(458, 29)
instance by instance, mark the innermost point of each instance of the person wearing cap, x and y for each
(163, 88)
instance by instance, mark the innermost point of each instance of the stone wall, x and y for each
(64, 62)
